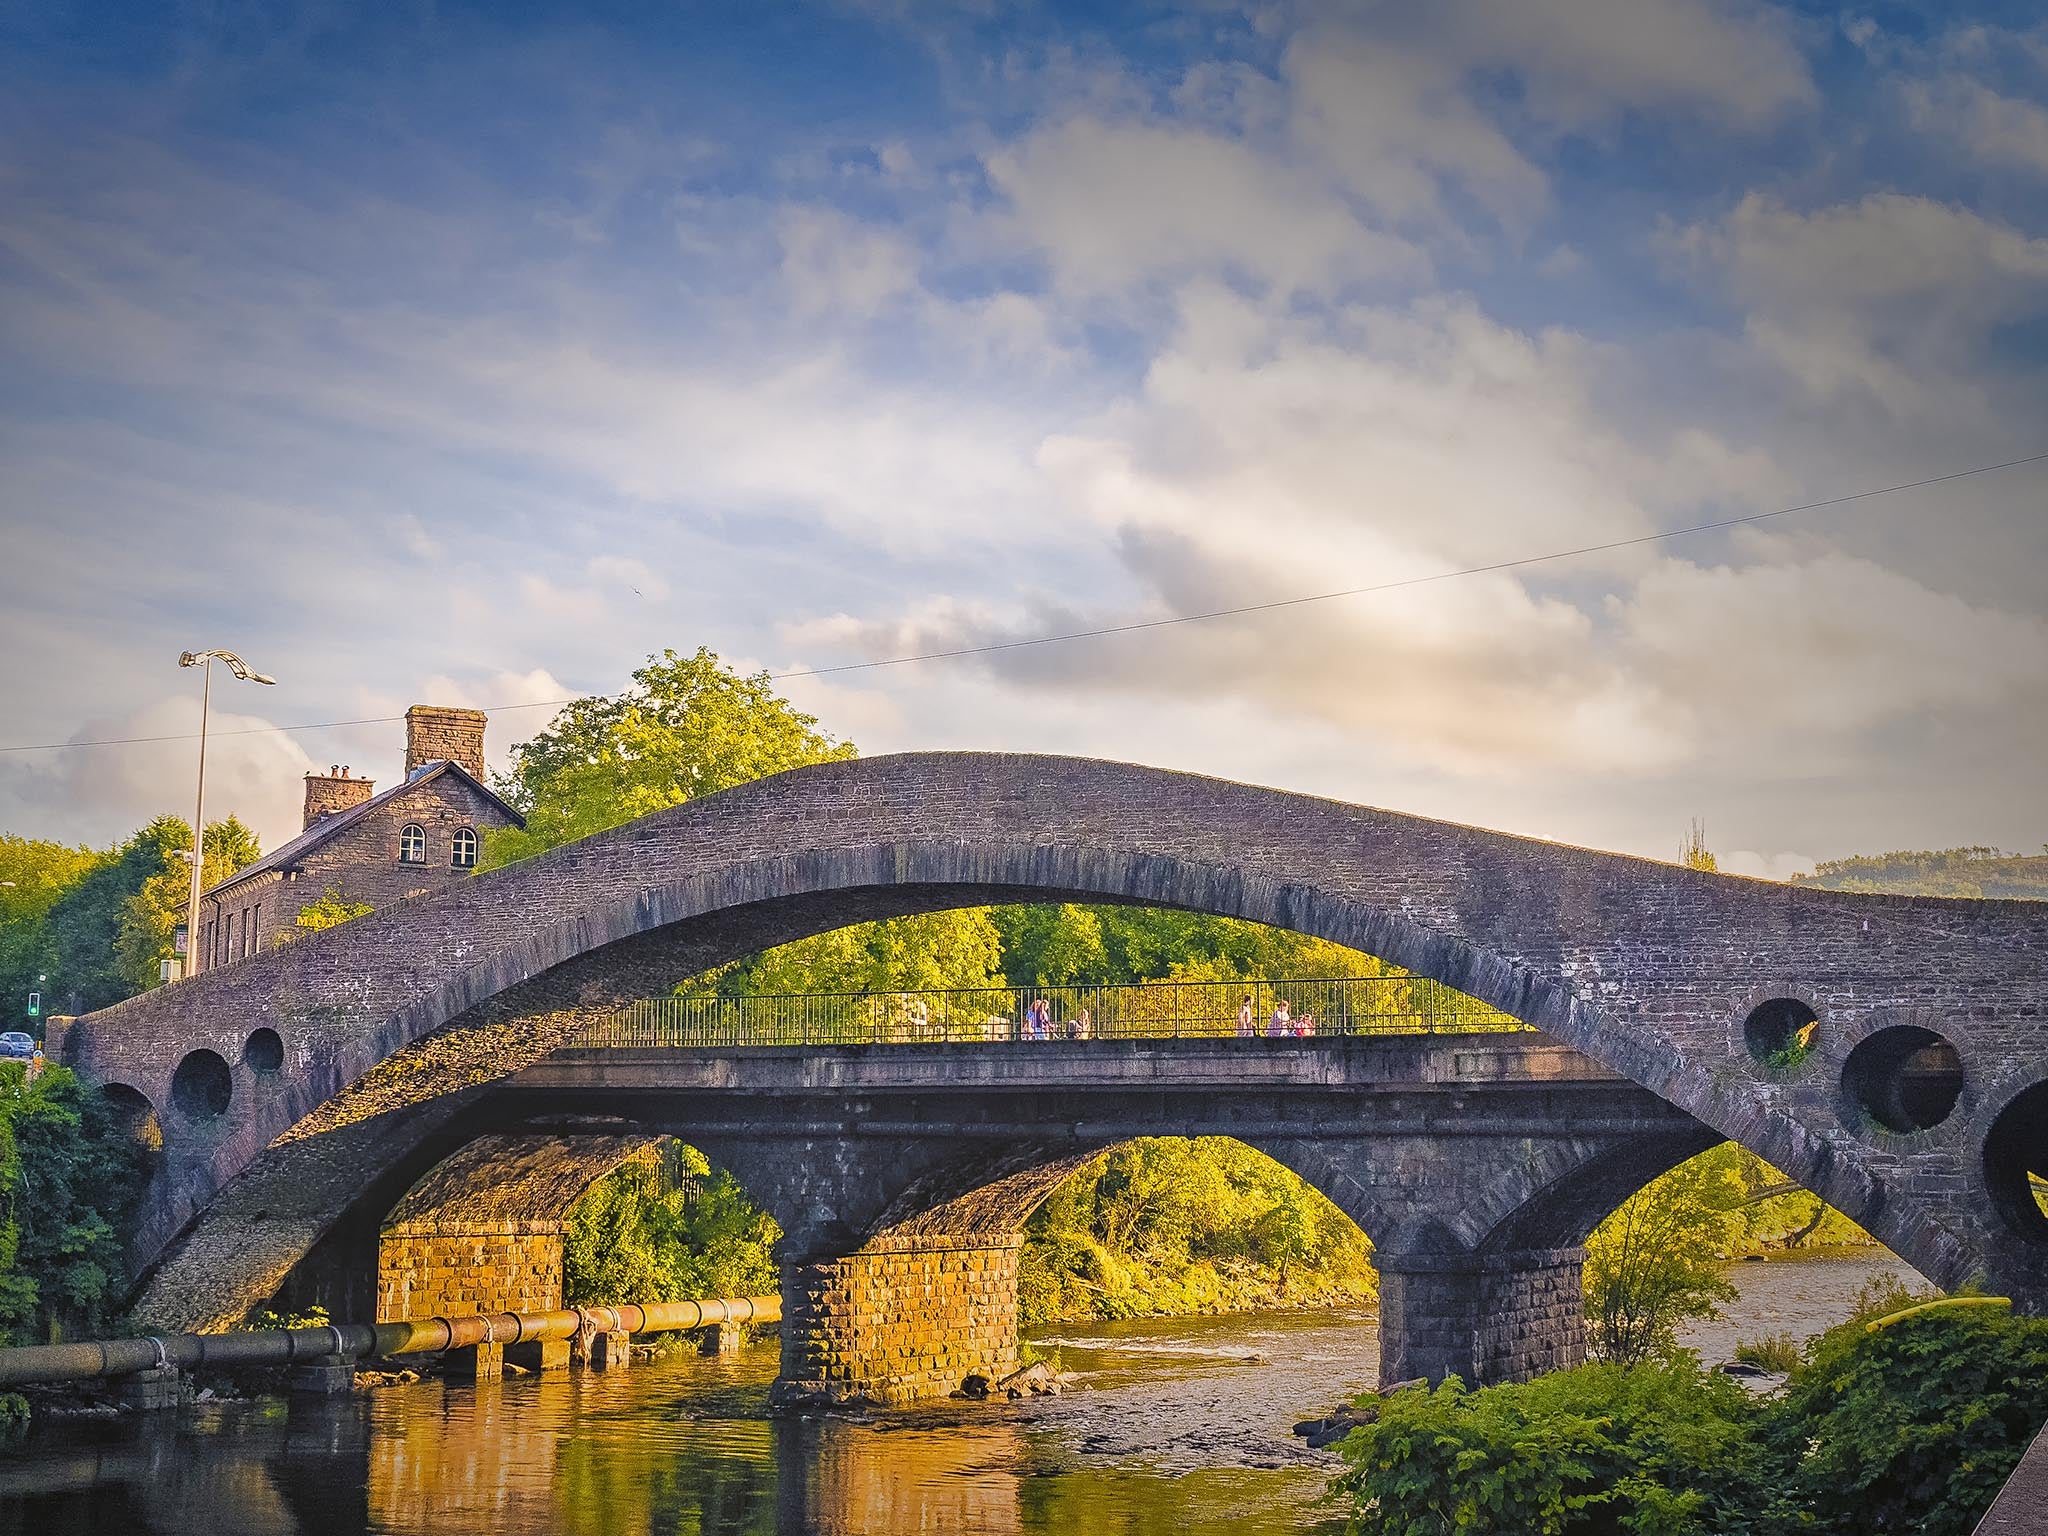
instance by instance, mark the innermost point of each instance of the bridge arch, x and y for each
(1643, 967)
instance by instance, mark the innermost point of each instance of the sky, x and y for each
(470, 353)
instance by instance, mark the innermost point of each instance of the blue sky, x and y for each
(470, 353)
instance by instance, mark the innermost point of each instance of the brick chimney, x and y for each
(334, 790)
(434, 732)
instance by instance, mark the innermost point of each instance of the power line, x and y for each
(1138, 625)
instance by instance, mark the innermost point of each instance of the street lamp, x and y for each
(204, 660)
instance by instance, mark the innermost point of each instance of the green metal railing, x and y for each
(1369, 1005)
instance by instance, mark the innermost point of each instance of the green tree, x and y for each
(932, 951)
(1168, 1225)
(331, 910)
(85, 922)
(150, 917)
(1952, 872)
(667, 1227)
(68, 1176)
(688, 727)
(1657, 1259)
(34, 876)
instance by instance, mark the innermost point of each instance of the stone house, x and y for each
(367, 847)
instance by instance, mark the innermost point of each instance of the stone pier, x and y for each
(1483, 1318)
(899, 1320)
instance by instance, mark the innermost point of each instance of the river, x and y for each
(1175, 1428)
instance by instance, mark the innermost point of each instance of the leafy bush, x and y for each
(1912, 1427)
(1655, 1448)
(331, 910)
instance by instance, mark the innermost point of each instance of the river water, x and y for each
(1174, 1428)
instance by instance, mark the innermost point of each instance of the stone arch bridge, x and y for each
(1890, 1054)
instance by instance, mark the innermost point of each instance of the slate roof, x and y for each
(285, 855)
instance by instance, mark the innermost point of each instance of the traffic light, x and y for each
(35, 1005)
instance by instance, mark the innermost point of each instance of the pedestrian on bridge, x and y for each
(1282, 1023)
(1247, 1025)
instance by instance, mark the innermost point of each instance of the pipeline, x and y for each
(355, 1341)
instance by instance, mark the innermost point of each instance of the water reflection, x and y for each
(1180, 1430)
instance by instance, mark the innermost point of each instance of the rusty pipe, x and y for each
(89, 1359)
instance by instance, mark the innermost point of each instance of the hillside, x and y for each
(1948, 872)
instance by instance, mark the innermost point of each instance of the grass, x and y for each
(1777, 1352)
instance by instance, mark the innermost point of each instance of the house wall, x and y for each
(359, 863)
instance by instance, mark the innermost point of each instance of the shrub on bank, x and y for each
(1659, 1447)
(1909, 1428)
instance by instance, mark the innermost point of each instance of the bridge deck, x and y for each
(1406, 1062)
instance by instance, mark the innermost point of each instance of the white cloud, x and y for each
(1736, 62)
(1803, 660)
(1117, 203)
(1889, 296)
(253, 771)
(837, 265)
(1995, 128)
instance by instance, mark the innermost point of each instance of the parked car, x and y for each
(16, 1046)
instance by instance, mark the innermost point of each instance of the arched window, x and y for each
(462, 854)
(412, 843)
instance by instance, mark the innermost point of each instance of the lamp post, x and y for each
(204, 660)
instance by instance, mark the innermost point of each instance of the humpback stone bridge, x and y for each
(409, 1099)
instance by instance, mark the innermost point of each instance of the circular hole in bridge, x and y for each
(264, 1051)
(2016, 1162)
(135, 1117)
(1780, 1033)
(1905, 1078)
(202, 1086)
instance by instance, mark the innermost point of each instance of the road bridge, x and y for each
(1887, 1053)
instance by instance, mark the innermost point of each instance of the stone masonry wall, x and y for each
(900, 1320)
(1532, 1315)
(1493, 1318)
(448, 1274)
(361, 863)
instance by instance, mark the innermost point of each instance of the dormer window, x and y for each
(412, 843)
(462, 852)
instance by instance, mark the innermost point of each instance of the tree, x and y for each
(150, 917)
(1169, 1225)
(1045, 945)
(34, 876)
(1657, 1259)
(69, 1178)
(688, 727)
(667, 1227)
(85, 922)
(930, 952)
